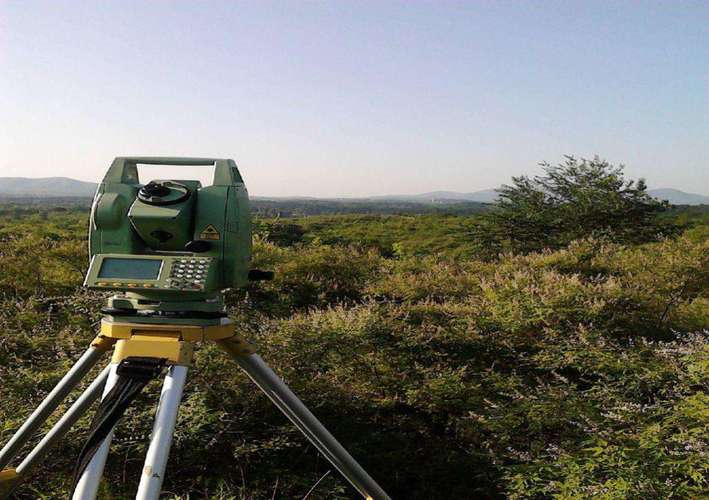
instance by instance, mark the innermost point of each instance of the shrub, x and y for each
(573, 200)
(573, 373)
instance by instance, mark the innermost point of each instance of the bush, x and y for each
(573, 200)
(305, 277)
(572, 373)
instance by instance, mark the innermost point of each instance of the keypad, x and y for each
(188, 273)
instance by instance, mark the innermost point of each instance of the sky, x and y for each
(357, 98)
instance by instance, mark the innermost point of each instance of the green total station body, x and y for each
(169, 247)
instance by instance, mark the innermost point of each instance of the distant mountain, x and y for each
(47, 186)
(63, 187)
(674, 196)
(677, 197)
(484, 196)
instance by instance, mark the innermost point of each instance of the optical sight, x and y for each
(170, 247)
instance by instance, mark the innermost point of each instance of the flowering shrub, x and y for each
(582, 372)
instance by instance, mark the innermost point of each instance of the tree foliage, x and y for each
(575, 199)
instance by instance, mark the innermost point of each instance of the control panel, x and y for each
(188, 273)
(151, 273)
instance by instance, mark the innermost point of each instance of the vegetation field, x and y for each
(575, 372)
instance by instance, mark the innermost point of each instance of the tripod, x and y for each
(172, 343)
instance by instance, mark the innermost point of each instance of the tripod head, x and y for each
(170, 247)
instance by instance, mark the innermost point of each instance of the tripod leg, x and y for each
(298, 413)
(65, 423)
(50, 403)
(87, 486)
(161, 437)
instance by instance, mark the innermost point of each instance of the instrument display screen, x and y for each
(141, 269)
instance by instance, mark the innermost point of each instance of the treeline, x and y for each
(299, 208)
(263, 207)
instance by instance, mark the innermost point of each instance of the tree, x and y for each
(575, 199)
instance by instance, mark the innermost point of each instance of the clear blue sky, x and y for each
(355, 97)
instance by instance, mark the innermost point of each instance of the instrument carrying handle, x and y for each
(124, 169)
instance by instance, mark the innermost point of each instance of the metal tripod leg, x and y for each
(161, 437)
(50, 403)
(298, 413)
(87, 487)
(80, 406)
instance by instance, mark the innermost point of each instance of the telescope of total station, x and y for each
(168, 248)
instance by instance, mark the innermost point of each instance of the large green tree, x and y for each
(575, 199)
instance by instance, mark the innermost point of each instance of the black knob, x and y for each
(154, 189)
(198, 246)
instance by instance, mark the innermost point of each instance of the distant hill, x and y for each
(47, 186)
(53, 187)
(677, 197)
(674, 196)
(484, 196)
